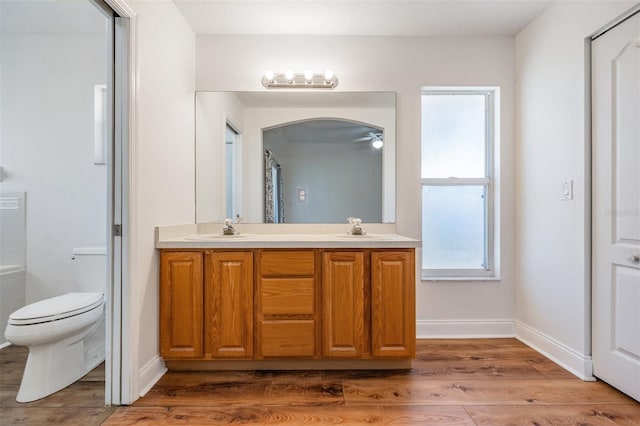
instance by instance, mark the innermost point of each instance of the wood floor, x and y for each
(80, 404)
(453, 382)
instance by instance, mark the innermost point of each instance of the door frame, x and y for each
(120, 380)
(589, 185)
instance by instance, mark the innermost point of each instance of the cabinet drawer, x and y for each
(287, 263)
(288, 338)
(287, 296)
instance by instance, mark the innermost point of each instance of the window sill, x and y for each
(431, 279)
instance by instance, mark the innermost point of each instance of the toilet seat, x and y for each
(56, 308)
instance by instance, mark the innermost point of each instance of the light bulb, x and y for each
(269, 76)
(289, 76)
(308, 76)
(377, 144)
(328, 75)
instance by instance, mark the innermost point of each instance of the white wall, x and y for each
(47, 148)
(553, 292)
(163, 153)
(403, 65)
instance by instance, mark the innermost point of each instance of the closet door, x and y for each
(615, 206)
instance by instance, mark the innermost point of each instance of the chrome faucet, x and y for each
(356, 229)
(228, 229)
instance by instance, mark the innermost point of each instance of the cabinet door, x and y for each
(181, 305)
(343, 332)
(393, 304)
(228, 308)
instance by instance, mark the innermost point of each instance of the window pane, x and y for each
(453, 228)
(453, 136)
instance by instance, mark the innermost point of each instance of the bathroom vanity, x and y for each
(323, 300)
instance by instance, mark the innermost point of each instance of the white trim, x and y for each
(465, 90)
(5, 345)
(616, 21)
(456, 181)
(460, 278)
(465, 329)
(112, 250)
(489, 182)
(150, 373)
(131, 236)
(458, 275)
(121, 8)
(568, 358)
(127, 348)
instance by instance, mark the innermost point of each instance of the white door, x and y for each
(616, 206)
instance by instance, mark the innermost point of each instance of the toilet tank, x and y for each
(90, 268)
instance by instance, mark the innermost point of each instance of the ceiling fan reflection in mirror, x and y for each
(375, 138)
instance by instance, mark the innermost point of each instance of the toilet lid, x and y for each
(57, 307)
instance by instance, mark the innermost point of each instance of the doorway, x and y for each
(64, 143)
(233, 173)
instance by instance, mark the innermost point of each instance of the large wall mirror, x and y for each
(295, 157)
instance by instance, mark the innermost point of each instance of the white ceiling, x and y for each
(304, 17)
(361, 17)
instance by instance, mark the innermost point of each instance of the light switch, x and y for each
(567, 190)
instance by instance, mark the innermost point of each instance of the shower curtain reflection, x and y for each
(273, 193)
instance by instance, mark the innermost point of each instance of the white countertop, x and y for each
(328, 236)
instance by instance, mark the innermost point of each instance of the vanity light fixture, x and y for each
(269, 76)
(308, 76)
(293, 80)
(288, 74)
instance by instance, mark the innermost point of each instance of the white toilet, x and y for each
(65, 334)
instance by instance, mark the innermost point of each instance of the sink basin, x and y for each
(217, 237)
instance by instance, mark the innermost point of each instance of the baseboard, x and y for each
(150, 374)
(464, 329)
(576, 363)
(5, 345)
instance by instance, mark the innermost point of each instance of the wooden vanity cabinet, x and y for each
(206, 304)
(393, 314)
(228, 304)
(181, 305)
(368, 304)
(344, 334)
(286, 311)
(268, 304)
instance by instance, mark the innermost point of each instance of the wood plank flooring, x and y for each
(453, 382)
(79, 404)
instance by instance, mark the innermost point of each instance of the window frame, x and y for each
(491, 123)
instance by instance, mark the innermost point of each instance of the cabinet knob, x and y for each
(633, 258)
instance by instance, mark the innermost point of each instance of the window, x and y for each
(457, 182)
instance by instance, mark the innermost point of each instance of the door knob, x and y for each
(633, 258)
